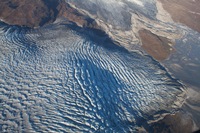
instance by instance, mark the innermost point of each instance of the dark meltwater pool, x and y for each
(64, 79)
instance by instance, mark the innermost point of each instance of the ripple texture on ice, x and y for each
(59, 80)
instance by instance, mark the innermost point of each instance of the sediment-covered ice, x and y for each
(117, 12)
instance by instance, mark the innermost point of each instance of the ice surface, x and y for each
(64, 79)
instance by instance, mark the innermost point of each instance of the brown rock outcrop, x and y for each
(34, 13)
(30, 13)
(156, 46)
(71, 14)
(184, 11)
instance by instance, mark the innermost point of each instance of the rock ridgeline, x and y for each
(36, 13)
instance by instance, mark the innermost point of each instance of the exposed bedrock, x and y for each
(38, 13)
(156, 46)
(184, 11)
(134, 84)
(27, 12)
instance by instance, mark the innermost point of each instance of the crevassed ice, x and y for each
(57, 80)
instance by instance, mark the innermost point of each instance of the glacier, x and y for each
(63, 78)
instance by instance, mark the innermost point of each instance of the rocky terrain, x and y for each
(27, 12)
(48, 11)
(184, 11)
(156, 46)
(32, 14)
(166, 30)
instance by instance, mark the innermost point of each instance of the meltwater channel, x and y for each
(62, 78)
